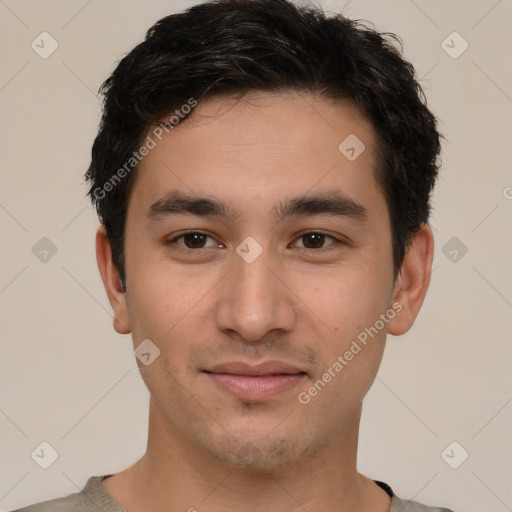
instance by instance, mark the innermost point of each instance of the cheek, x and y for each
(161, 293)
(170, 309)
(348, 298)
(352, 309)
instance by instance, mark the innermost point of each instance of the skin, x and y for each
(297, 302)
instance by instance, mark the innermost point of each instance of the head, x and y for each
(261, 119)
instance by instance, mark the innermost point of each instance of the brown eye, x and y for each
(314, 240)
(193, 240)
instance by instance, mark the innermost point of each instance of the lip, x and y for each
(255, 383)
(266, 368)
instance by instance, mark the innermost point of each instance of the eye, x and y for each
(315, 240)
(197, 240)
(193, 240)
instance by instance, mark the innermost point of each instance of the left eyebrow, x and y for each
(334, 204)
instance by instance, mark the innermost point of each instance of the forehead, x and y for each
(255, 151)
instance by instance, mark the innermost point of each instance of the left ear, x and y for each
(412, 283)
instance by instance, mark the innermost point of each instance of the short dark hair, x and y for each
(236, 46)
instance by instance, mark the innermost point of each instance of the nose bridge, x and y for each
(255, 283)
(253, 301)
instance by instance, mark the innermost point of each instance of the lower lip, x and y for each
(256, 388)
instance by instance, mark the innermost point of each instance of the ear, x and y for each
(112, 281)
(412, 283)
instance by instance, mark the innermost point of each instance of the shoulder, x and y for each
(65, 504)
(398, 504)
(92, 498)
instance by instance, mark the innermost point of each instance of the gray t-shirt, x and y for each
(95, 498)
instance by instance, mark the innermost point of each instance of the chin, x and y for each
(257, 451)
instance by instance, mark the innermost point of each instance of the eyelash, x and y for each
(179, 248)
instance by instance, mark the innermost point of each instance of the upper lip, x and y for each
(266, 368)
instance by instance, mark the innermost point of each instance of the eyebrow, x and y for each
(333, 204)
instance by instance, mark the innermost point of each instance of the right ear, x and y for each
(112, 282)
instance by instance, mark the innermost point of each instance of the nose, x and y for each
(255, 299)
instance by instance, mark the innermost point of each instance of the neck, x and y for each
(175, 474)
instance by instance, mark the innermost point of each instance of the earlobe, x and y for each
(112, 282)
(413, 281)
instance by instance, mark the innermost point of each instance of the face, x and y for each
(252, 238)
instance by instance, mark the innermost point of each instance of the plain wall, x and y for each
(67, 378)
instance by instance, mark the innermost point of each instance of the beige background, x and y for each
(68, 379)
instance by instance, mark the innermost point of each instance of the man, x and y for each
(262, 175)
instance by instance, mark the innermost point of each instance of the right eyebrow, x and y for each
(176, 203)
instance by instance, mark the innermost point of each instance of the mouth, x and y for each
(256, 383)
